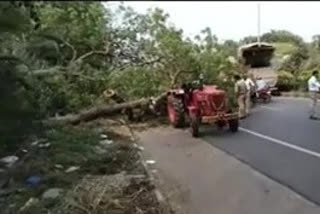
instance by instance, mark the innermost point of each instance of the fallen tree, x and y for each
(151, 104)
(155, 105)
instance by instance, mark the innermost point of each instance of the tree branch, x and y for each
(52, 70)
(74, 51)
(86, 55)
(59, 40)
(141, 63)
(58, 70)
(11, 58)
(174, 77)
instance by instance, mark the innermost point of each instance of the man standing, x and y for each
(314, 87)
(250, 89)
(240, 89)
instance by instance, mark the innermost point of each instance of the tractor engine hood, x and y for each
(211, 99)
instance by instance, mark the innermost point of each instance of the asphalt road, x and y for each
(278, 140)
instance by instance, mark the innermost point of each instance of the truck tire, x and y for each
(176, 112)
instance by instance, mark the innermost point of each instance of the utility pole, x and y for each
(259, 42)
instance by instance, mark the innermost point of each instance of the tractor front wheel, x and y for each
(195, 123)
(234, 125)
(176, 111)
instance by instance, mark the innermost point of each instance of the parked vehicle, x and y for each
(263, 92)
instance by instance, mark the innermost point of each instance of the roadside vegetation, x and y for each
(58, 58)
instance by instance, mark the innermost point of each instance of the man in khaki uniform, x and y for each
(314, 88)
(250, 90)
(240, 89)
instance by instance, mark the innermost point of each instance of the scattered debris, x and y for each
(141, 148)
(130, 191)
(29, 203)
(35, 143)
(159, 195)
(119, 193)
(132, 138)
(45, 145)
(52, 193)
(106, 142)
(100, 150)
(9, 160)
(58, 166)
(72, 169)
(103, 136)
(150, 162)
(33, 181)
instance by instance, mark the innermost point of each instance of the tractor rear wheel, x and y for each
(234, 125)
(195, 123)
(176, 111)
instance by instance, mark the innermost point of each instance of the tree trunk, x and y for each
(97, 112)
(118, 99)
(108, 110)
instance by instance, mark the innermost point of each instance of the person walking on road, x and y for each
(240, 89)
(250, 89)
(314, 89)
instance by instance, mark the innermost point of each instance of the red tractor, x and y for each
(201, 104)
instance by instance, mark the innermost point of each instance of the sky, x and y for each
(235, 20)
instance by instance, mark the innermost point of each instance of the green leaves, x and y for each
(135, 83)
(81, 23)
(81, 49)
(13, 19)
(282, 36)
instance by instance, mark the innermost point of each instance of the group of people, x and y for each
(245, 89)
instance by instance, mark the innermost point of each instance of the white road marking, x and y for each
(270, 108)
(280, 142)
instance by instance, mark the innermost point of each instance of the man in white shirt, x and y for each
(313, 87)
(260, 84)
(250, 88)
